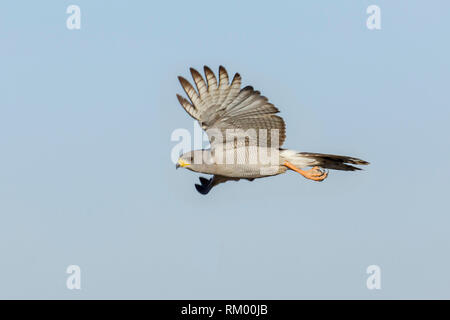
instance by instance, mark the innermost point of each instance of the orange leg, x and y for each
(315, 173)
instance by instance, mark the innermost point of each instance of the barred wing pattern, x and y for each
(221, 106)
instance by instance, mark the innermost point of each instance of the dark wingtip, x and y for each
(180, 99)
(204, 181)
(194, 72)
(204, 188)
(183, 81)
(201, 189)
(207, 69)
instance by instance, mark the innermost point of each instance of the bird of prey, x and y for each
(222, 107)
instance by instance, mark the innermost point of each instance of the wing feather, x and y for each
(192, 94)
(190, 109)
(224, 87)
(234, 89)
(221, 105)
(200, 83)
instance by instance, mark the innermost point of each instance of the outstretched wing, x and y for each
(223, 105)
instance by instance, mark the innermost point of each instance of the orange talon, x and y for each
(315, 173)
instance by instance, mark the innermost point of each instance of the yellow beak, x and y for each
(182, 163)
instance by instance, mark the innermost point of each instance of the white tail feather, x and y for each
(297, 159)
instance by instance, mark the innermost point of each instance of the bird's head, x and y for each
(194, 160)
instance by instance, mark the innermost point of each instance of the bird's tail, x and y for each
(326, 161)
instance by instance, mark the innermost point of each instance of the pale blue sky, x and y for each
(85, 171)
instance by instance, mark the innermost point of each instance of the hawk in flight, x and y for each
(245, 135)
